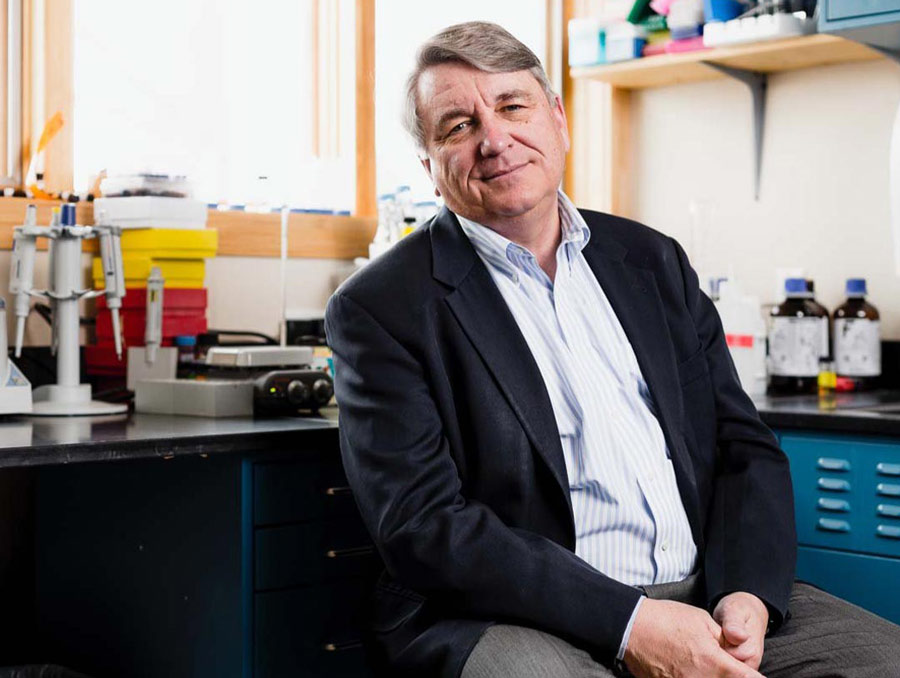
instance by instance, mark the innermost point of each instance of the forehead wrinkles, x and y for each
(445, 95)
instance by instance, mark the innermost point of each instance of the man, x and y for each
(544, 431)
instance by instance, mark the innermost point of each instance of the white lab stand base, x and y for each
(53, 400)
(15, 394)
(165, 366)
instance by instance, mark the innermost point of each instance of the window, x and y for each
(224, 91)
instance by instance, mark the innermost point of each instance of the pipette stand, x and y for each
(15, 391)
(69, 397)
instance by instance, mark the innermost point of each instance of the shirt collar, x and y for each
(507, 255)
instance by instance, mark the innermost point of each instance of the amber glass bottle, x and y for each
(798, 339)
(857, 339)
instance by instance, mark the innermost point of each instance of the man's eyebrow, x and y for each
(514, 94)
(453, 113)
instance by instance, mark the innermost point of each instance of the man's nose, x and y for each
(495, 138)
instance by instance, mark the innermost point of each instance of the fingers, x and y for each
(742, 617)
(736, 632)
(737, 669)
(673, 639)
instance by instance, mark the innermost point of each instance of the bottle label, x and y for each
(795, 346)
(857, 347)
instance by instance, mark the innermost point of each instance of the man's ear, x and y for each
(426, 163)
(559, 115)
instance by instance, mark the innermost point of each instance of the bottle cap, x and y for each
(795, 286)
(67, 217)
(856, 286)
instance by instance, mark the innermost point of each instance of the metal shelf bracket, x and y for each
(758, 84)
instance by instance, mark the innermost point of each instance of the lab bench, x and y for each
(181, 546)
(150, 545)
(845, 466)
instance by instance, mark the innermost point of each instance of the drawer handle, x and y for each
(831, 464)
(888, 490)
(888, 531)
(885, 469)
(351, 552)
(831, 525)
(888, 510)
(834, 485)
(338, 491)
(339, 647)
(836, 505)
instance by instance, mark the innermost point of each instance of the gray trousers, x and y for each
(825, 637)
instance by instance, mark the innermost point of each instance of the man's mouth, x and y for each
(499, 174)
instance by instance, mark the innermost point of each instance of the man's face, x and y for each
(495, 147)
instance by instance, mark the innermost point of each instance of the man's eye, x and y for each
(513, 107)
(459, 127)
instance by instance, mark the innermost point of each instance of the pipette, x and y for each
(21, 272)
(153, 330)
(114, 276)
(4, 349)
(51, 252)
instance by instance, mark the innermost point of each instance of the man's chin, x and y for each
(512, 207)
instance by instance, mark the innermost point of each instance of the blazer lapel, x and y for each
(486, 319)
(634, 296)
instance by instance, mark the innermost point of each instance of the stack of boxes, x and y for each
(180, 255)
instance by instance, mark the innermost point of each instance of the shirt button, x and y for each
(665, 546)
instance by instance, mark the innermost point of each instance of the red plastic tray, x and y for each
(174, 298)
(134, 323)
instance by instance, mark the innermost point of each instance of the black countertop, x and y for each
(874, 413)
(37, 441)
(34, 441)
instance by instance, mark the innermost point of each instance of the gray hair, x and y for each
(479, 44)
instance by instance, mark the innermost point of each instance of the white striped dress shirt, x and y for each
(630, 523)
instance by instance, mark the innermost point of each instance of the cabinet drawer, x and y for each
(867, 581)
(297, 555)
(846, 9)
(847, 493)
(286, 492)
(881, 479)
(827, 491)
(311, 632)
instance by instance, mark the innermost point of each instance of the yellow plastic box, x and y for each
(189, 273)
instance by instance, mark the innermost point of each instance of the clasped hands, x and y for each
(674, 640)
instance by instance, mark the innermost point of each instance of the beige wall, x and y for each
(244, 292)
(824, 202)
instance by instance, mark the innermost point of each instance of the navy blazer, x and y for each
(451, 448)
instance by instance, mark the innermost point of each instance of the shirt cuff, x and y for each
(620, 656)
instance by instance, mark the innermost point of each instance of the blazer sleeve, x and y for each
(434, 540)
(751, 539)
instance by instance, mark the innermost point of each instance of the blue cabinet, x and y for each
(847, 504)
(874, 22)
(240, 566)
(862, 11)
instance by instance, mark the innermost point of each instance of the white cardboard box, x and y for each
(194, 398)
(150, 211)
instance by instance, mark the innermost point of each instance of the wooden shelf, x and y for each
(309, 235)
(12, 214)
(240, 233)
(764, 57)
